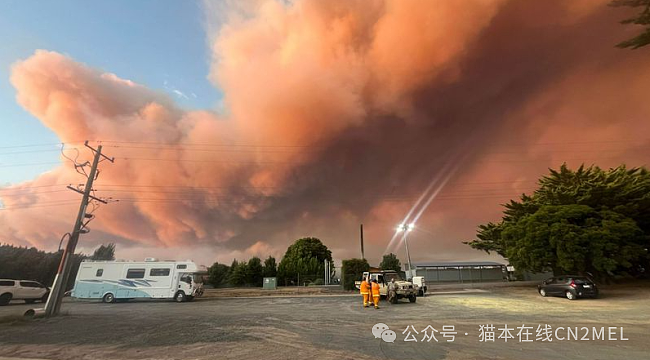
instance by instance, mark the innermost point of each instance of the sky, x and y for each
(161, 44)
(240, 126)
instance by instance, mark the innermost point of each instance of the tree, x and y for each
(238, 274)
(643, 18)
(104, 252)
(352, 270)
(254, 272)
(33, 264)
(583, 221)
(270, 268)
(304, 258)
(390, 262)
(218, 274)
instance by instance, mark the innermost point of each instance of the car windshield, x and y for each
(198, 279)
(392, 276)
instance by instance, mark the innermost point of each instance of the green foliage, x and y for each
(643, 18)
(390, 262)
(352, 270)
(270, 267)
(104, 252)
(254, 272)
(587, 220)
(238, 274)
(305, 258)
(32, 264)
(218, 274)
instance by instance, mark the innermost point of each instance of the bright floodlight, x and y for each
(405, 227)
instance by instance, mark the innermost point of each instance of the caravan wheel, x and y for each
(180, 297)
(108, 298)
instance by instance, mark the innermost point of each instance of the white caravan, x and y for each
(123, 280)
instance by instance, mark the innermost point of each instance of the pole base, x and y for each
(34, 313)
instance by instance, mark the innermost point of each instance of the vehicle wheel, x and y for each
(180, 297)
(5, 299)
(542, 292)
(30, 301)
(570, 295)
(412, 298)
(108, 298)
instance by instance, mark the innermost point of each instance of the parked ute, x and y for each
(27, 290)
(421, 284)
(391, 286)
(569, 286)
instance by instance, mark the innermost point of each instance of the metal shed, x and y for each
(461, 271)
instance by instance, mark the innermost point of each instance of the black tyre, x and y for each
(5, 299)
(570, 295)
(108, 298)
(180, 297)
(412, 298)
(30, 301)
(542, 292)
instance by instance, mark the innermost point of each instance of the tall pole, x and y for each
(408, 254)
(361, 233)
(53, 304)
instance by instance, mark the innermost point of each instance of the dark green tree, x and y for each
(352, 270)
(583, 221)
(254, 272)
(390, 262)
(104, 252)
(238, 274)
(270, 267)
(33, 264)
(304, 258)
(218, 274)
(642, 18)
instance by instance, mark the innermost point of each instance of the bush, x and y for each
(352, 270)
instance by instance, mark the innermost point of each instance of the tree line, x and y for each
(302, 264)
(23, 263)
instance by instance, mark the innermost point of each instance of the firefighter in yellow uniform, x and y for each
(375, 293)
(365, 291)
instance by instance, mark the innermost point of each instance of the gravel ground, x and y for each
(329, 327)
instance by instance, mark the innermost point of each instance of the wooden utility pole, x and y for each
(53, 304)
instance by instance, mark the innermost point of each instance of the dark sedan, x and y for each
(569, 286)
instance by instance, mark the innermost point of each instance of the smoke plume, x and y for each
(336, 114)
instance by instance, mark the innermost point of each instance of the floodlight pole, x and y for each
(406, 228)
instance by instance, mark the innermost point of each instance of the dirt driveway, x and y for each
(334, 327)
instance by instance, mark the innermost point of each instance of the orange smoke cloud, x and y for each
(339, 113)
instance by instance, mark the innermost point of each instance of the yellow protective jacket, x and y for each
(364, 288)
(375, 289)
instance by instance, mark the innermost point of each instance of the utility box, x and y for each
(270, 283)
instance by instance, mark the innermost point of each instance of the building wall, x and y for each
(461, 275)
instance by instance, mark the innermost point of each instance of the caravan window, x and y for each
(183, 266)
(135, 274)
(99, 272)
(159, 272)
